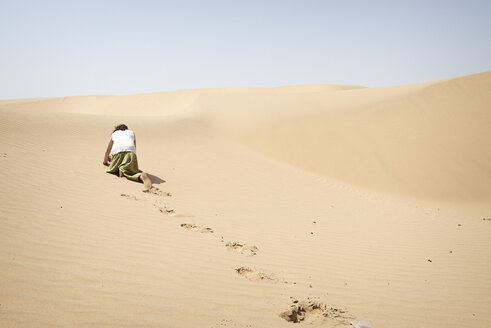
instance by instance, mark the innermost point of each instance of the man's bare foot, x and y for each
(146, 180)
(120, 174)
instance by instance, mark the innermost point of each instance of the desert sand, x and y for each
(320, 204)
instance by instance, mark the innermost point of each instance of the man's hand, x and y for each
(105, 163)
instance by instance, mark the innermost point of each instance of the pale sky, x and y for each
(65, 48)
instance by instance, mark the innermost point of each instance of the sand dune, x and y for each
(314, 204)
(426, 141)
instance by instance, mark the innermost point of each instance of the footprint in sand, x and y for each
(193, 227)
(166, 210)
(242, 248)
(162, 209)
(255, 275)
(156, 191)
(171, 212)
(315, 312)
(130, 197)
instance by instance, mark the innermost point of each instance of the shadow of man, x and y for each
(155, 179)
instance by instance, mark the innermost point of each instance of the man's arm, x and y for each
(108, 151)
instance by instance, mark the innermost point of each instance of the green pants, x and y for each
(127, 163)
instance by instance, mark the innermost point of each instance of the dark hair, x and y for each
(121, 127)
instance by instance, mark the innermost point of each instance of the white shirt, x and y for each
(123, 141)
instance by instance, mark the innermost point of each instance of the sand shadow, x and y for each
(155, 179)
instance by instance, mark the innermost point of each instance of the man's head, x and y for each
(121, 127)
